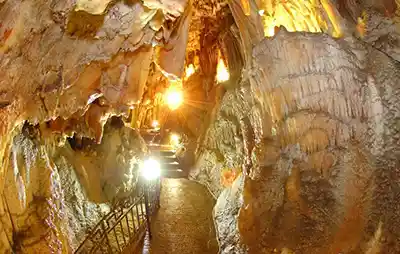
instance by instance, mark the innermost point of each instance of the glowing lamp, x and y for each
(222, 71)
(155, 124)
(174, 98)
(174, 140)
(190, 70)
(150, 169)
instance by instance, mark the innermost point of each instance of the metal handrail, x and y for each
(118, 222)
(99, 237)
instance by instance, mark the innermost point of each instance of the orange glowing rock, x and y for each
(7, 34)
(189, 71)
(246, 7)
(228, 176)
(361, 29)
(361, 25)
(58, 125)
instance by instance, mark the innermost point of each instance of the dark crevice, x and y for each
(84, 25)
(4, 104)
(80, 143)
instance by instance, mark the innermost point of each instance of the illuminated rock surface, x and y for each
(67, 67)
(314, 126)
(55, 193)
(300, 145)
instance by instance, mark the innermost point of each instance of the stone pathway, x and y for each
(184, 224)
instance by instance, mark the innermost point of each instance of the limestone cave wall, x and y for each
(66, 68)
(303, 156)
(302, 141)
(56, 190)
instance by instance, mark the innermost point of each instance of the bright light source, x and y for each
(222, 71)
(174, 97)
(155, 124)
(190, 70)
(151, 169)
(174, 139)
(261, 12)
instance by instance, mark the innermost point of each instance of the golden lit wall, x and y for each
(296, 15)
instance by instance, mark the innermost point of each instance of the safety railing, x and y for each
(125, 225)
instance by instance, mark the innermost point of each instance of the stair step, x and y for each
(163, 151)
(167, 152)
(168, 159)
(159, 147)
(163, 154)
(172, 165)
(179, 173)
(173, 170)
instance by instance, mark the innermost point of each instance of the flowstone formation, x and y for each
(56, 191)
(57, 58)
(67, 68)
(313, 130)
(294, 105)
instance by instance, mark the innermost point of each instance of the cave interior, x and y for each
(286, 111)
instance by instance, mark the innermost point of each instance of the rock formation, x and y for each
(66, 67)
(56, 190)
(313, 127)
(300, 146)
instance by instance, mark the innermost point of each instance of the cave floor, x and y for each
(184, 221)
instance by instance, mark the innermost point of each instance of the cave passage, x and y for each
(287, 112)
(183, 223)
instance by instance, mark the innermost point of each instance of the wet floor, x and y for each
(184, 224)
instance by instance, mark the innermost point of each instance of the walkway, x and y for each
(183, 224)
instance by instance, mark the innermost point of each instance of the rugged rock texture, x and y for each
(66, 67)
(226, 218)
(314, 128)
(53, 194)
(56, 58)
(303, 139)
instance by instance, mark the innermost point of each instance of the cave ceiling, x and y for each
(67, 67)
(89, 59)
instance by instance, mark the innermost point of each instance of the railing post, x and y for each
(100, 236)
(146, 203)
(158, 192)
(106, 236)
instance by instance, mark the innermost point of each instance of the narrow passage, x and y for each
(184, 222)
